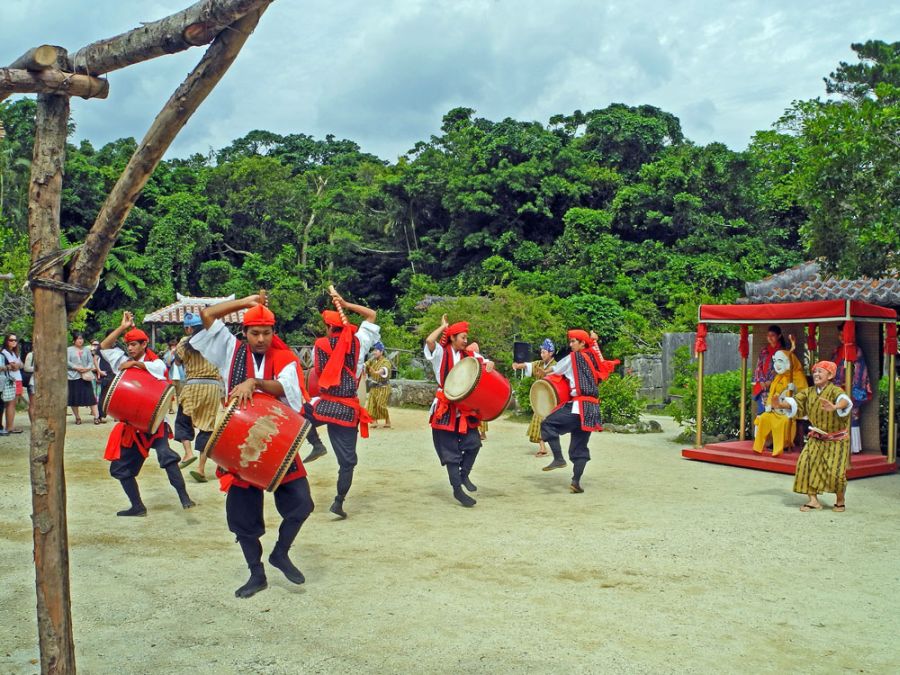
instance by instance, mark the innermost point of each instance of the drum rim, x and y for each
(543, 385)
(109, 391)
(217, 431)
(290, 455)
(475, 382)
(159, 412)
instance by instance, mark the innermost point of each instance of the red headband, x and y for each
(259, 315)
(332, 318)
(583, 335)
(136, 335)
(457, 328)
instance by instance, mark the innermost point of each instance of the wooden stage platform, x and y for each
(740, 453)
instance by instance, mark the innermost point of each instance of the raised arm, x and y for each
(110, 340)
(217, 311)
(366, 313)
(432, 339)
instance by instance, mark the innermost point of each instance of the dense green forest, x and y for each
(608, 218)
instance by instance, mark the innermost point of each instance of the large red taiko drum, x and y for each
(548, 394)
(477, 391)
(258, 442)
(312, 382)
(139, 399)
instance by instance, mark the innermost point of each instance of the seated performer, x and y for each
(378, 370)
(822, 466)
(128, 447)
(860, 387)
(339, 362)
(200, 398)
(789, 380)
(260, 362)
(538, 369)
(455, 435)
(579, 416)
(765, 372)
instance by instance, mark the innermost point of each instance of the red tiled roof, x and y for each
(174, 313)
(805, 283)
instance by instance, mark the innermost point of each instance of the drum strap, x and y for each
(125, 436)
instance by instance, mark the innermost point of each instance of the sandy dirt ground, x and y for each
(662, 565)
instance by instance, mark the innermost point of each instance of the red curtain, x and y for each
(700, 342)
(890, 339)
(744, 344)
(849, 338)
(811, 344)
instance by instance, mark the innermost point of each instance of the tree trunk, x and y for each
(48, 430)
(88, 263)
(197, 25)
(52, 81)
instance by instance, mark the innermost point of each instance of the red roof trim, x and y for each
(796, 312)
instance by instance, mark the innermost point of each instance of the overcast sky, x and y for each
(383, 73)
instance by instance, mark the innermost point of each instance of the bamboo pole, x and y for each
(743, 433)
(20, 81)
(892, 431)
(48, 430)
(88, 263)
(698, 443)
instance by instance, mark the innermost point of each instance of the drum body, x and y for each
(312, 382)
(548, 394)
(139, 399)
(258, 442)
(477, 391)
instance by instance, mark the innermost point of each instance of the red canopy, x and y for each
(797, 312)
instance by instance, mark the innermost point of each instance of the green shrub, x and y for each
(883, 408)
(619, 399)
(410, 373)
(721, 405)
(521, 390)
(683, 369)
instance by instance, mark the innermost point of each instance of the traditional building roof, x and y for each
(806, 282)
(174, 313)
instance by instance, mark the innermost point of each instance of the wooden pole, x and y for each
(38, 58)
(88, 263)
(48, 429)
(197, 25)
(743, 434)
(20, 81)
(892, 431)
(698, 442)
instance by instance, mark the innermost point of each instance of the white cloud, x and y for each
(383, 74)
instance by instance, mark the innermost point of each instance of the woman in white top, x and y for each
(11, 379)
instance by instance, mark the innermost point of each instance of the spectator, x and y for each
(105, 376)
(80, 367)
(11, 367)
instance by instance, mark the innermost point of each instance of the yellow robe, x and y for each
(775, 424)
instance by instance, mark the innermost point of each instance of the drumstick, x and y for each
(337, 304)
(263, 297)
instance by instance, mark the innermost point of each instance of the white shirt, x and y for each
(368, 334)
(217, 345)
(116, 357)
(564, 367)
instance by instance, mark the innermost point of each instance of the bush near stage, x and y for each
(721, 405)
(883, 408)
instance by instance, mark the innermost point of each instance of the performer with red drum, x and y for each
(580, 415)
(454, 433)
(128, 447)
(260, 362)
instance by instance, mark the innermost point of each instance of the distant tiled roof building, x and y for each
(805, 282)
(174, 313)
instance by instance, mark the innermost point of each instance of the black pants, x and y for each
(562, 422)
(244, 507)
(131, 460)
(184, 426)
(343, 442)
(456, 449)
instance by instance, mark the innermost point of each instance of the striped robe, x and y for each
(822, 466)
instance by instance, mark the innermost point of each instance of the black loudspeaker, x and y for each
(521, 352)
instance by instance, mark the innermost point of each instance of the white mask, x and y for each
(781, 362)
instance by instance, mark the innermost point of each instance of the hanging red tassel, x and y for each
(811, 344)
(849, 338)
(890, 339)
(700, 342)
(744, 344)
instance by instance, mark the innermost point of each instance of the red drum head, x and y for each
(547, 394)
(139, 399)
(258, 442)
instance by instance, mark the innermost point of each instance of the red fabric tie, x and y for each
(849, 338)
(700, 342)
(890, 339)
(331, 373)
(811, 344)
(744, 344)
